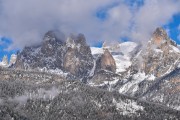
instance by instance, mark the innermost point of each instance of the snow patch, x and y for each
(127, 47)
(96, 50)
(151, 77)
(133, 85)
(122, 63)
(128, 107)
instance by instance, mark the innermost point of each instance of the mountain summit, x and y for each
(65, 78)
(160, 57)
(72, 55)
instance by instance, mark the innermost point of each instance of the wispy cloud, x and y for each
(26, 21)
(152, 14)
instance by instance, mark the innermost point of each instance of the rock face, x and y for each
(121, 55)
(152, 73)
(47, 55)
(78, 59)
(72, 55)
(159, 36)
(107, 61)
(160, 57)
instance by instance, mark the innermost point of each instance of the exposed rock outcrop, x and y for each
(106, 62)
(72, 55)
(160, 57)
(78, 59)
(159, 36)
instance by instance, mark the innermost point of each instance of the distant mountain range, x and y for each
(65, 78)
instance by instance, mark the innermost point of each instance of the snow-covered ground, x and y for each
(122, 56)
(133, 85)
(96, 50)
(127, 107)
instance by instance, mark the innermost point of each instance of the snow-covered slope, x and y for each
(71, 100)
(123, 61)
(127, 68)
(96, 50)
(122, 54)
(143, 71)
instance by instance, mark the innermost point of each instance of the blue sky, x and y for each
(103, 20)
(5, 42)
(173, 27)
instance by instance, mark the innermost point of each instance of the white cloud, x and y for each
(152, 14)
(26, 21)
(117, 23)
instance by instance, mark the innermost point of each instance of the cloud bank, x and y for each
(26, 21)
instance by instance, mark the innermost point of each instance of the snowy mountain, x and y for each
(158, 59)
(139, 69)
(72, 55)
(65, 78)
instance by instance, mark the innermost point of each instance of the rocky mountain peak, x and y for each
(159, 36)
(81, 39)
(51, 41)
(54, 35)
(161, 55)
(76, 40)
(78, 59)
(107, 61)
(72, 55)
(160, 32)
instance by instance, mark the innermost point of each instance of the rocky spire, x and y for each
(78, 59)
(160, 56)
(51, 41)
(106, 62)
(54, 35)
(160, 32)
(72, 55)
(159, 36)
